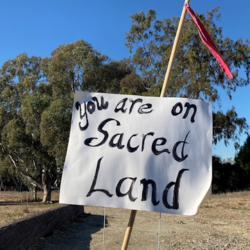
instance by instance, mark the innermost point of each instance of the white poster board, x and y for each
(141, 153)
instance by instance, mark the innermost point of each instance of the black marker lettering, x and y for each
(188, 106)
(104, 132)
(118, 144)
(144, 138)
(103, 105)
(91, 107)
(133, 103)
(174, 112)
(176, 157)
(78, 105)
(143, 107)
(162, 142)
(123, 103)
(145, 191)
(176, 192)
(131, 149)
(129, 193)
(92, 188)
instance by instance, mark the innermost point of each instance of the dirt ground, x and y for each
(16, 205)
(222, 222)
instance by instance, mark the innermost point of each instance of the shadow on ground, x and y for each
(75, 235)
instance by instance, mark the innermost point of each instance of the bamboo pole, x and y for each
(129, 230)
(172, 56)
(163, 92)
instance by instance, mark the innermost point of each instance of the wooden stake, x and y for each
(129, 230)
(163, 92)
(172, 56)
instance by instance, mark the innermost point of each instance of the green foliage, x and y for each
(228, 126)
(55, 127)
(77, 66)
(23, 98)
(131, 84)
(71, 67)
(195, 73)
(36, 95)
(36, 99)
(228, 177)
(242, 158)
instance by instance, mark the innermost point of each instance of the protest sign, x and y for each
(141, 153)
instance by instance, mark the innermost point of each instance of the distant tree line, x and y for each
(232, 175)
(36, 95)
(229, 177)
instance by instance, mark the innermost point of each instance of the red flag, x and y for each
(206, 39)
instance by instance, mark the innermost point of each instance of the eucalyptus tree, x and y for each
(242, 158)
(71, 67)
(24, 95)
(36, 99)
(196, 73)
(228, 177)
(8, 174)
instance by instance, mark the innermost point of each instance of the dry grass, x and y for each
(22, 197)
(222, 222)
(236, 200)
(15, 205)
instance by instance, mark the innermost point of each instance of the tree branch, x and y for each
(31, 179)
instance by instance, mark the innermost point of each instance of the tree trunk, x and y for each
(35, 194)
(18, 183)
(46, 182)
(1, 183)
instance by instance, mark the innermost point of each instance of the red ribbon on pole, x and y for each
(206, 39)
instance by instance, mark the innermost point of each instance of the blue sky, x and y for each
(37, 27)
